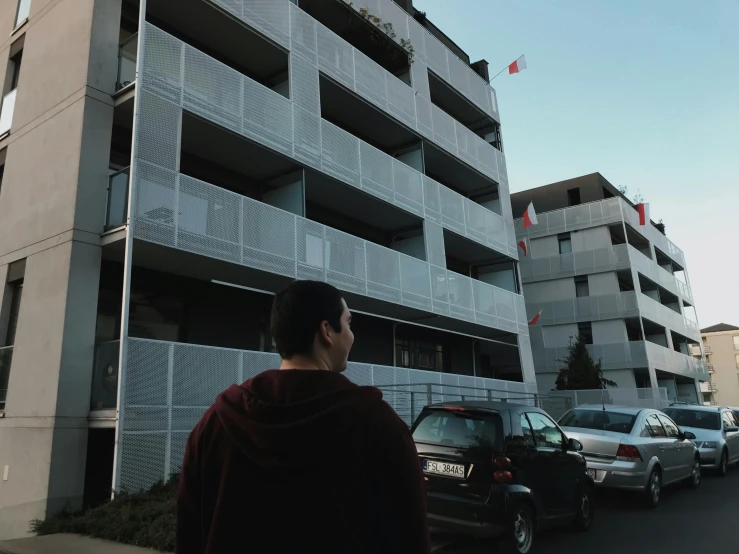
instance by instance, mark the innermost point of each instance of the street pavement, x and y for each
(687, 521)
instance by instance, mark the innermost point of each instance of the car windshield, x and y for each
(459, 429)
(698, 419)
(604, 420)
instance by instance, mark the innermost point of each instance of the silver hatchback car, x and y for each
(633, 448)
(716, 431)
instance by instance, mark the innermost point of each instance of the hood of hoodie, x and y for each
(278, 417)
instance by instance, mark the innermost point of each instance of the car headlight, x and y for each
(709, 444)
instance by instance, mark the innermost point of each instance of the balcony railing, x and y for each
(127, 54)
(650, 268)
(117, 205)
(6, 111)
(185, 213)
(627, 355)
(168, 386)
(104, 394)
(659, 313)
(611, 258)
(274, 121)
(586, 308)
(708, 386)
(6, 357)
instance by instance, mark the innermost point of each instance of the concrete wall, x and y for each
(724, 359)
(590, 239)
(52, 211)
(603, 283)
(545, 291)
(611, 331)
(557, 336)
(544, 247)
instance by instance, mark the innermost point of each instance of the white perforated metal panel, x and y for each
(445, 133)
(158, 131)
(383, 273)
(153, 203)
(439, 290)
(415, 283)
(434, 237)
(377, 172)
(303, 34)
(345, 267)
(436, 56)
(459, 73)
(400, 101)
(371, 80)
(335, 56)
(269, 238)
(431, 201)
(420, 78)
(452, 210)
(424, 121)
(270, 17)
(408, 187)
(161, 64)
(307, 137)
(268, 117)
(304, 84)
(339, 153)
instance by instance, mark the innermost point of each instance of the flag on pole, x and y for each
(529, 216)
(643, 210)
(522, 244)
(517, 66)
(535, 320)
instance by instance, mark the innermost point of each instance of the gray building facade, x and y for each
(593, 271)
(166, 167)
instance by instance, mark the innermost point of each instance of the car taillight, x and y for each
(453, 409)
(501, 462)
(501, 476)
(628, 453)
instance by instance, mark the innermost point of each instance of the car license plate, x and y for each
(444, 468)
(591, 473)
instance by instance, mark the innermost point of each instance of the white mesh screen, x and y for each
(201, 373)
(304, 84)
(303, 34)
(269, 238)
(415, 283)
(484, 297)
(153, 204)
(307, 136)
(434, 238)
(439, 290)
(408, 187)
(418, 39)
(458, 73)
(383, 273)
(371, 80)
(431, 201)
(270, 17)
(360, 374)
(397, 17)
(460, 296)
(377, 172)
(142, 459)
(339, 153)
(436, 56)
(475, 216)
(445, 133)
(488, 159)
(424, 122)
(466, 144)
(158, 131)
(212, 89)
(346, 262)
(161, 67)
(420, 78)
(335, 56)
(452, 210)
(400, 101)
(495, 231)
(268, 117)
(478, 92)
(234, 7)
(313, 252)
(209, 220)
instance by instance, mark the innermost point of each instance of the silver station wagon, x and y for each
(633, 448)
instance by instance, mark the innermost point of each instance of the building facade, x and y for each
(720, 346)
(594, 272)
(166, 167)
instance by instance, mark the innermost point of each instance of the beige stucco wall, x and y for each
(723, 359)
(52, 209)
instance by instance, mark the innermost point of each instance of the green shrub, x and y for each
(145, 518)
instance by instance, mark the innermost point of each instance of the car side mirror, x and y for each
(688, 435)
(732, 429)
(575, 445)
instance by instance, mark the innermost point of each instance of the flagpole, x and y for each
(506, 67)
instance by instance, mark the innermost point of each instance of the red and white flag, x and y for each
(517, 66)
(535, 320)
(529, 216)
(643, 210)
(523, 246)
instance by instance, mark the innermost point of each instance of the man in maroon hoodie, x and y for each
(300, 459)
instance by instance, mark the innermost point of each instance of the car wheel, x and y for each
(723, 465)
(584, 510)
(519, 537)
(653, 491)
(694, 480)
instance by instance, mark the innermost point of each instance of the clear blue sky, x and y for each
(646, 92)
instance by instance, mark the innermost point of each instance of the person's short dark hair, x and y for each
(297, 313)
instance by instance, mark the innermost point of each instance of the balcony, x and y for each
(661, 314)
(627, 355)
(6, 357)
(711, 370)
(708, 386)
(117, 203)
(586, 308)
(695, 350)
(127, 55)
(104, 392)
(168, 386)
(611, 258)
(6, 112)
(188, 214)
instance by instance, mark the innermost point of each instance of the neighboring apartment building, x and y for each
(720, 346)
(263, 141)
(594, 272)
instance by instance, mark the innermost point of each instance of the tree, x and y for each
(580, 371)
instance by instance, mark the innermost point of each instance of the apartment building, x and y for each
(720, 346)
(594, 272)
(167, 166)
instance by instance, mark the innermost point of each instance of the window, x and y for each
(581, 286)
(655, 427)
(695, 418)
(573, 197)
(24, 7)
(419, 355)
(15, 307)
(736, 342)
(728, 419)
(603, 420)
(585, 332)
(545, 431)
(670, 428)
(14, 68)
(565, 243)
(462, 429)
(528, 434)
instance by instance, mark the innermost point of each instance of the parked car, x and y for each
(716, 433)
(502, 471)
(633, 448)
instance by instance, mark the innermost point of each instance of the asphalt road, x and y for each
(687, 521)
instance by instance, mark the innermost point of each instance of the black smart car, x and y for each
(501, 470)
